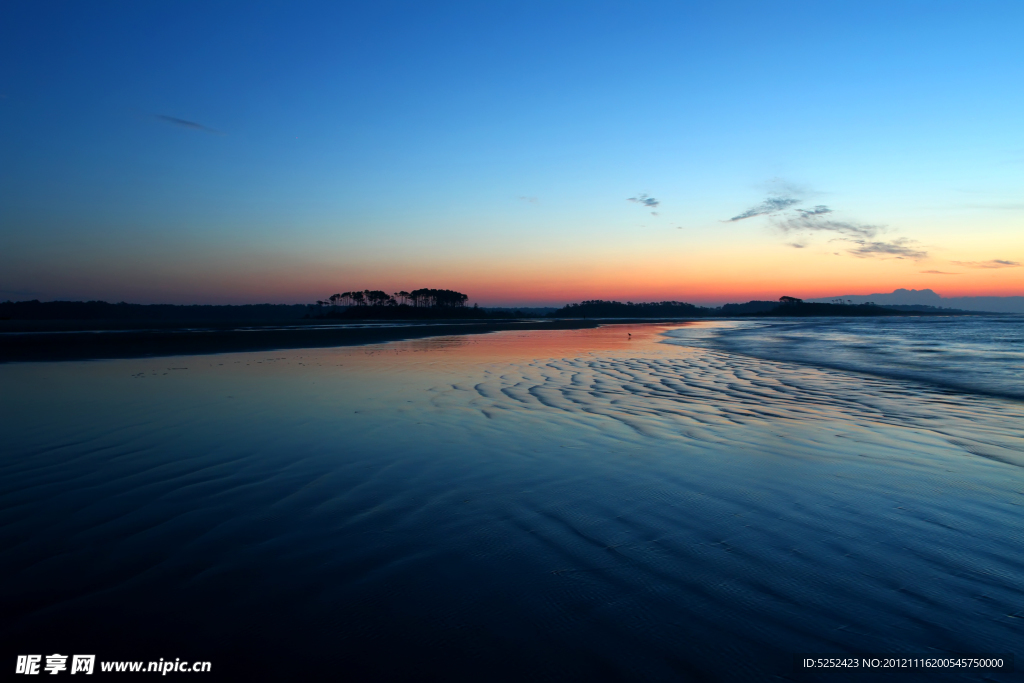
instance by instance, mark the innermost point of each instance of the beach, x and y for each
(648, 502)
(22, 341)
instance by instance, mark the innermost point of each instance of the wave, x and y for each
(982, 355)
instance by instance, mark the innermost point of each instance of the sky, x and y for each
(527, 153)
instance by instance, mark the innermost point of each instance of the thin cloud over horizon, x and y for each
(898, 248)
(994, 263)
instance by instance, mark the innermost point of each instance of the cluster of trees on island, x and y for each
(419, 303)
(418, 298)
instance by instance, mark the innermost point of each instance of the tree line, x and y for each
(418, 298)
(616, 309)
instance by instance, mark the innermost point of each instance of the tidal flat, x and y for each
(627, 502)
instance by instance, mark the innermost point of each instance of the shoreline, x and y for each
(63, 340)
(73, 345)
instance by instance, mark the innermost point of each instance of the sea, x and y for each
(746, 500)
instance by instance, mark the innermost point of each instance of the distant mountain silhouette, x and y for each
(927, 297)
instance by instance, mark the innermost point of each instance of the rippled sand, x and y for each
(573, 505)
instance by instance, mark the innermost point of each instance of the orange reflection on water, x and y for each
(515, 345)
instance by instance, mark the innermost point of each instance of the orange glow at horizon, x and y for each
(632, 284)
(703, 277)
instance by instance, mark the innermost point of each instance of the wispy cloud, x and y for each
(191, 125)
(938, 272)
(899, 248)
(819, 210)
(862, 238)
(769, 206)
(810, 222)
(994, 263)
(529, 200)
(645, 200)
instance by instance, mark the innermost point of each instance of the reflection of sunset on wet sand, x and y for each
(512, 346)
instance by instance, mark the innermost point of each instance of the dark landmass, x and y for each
(139, 343)
(402, 312)
(805, 310)
(103, 311)
(427, 304)
(785, 307)
(56, 316)
(748, 308)
(84, 315)
(520, 311)
(78, 330)
(419, 304)
(139, 324)
(616, 309)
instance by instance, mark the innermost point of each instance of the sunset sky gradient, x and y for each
(521, 152)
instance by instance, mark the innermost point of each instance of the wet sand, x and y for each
(33, 342)
(570, 505)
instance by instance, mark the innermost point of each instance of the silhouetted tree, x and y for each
(419, 298)
(440, 298)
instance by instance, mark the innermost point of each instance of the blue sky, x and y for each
(226, 152)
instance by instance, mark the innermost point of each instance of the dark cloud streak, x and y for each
(767, 207)
(182, 123)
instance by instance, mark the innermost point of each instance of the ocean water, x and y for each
(639, 503)
(976, 354)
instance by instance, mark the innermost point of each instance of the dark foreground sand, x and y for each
(39, 345)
